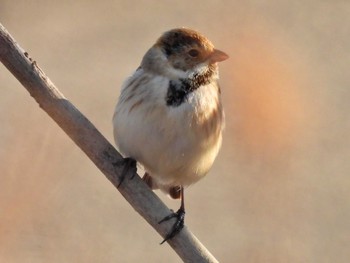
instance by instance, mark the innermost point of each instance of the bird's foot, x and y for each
(128, 164)
(178, 225)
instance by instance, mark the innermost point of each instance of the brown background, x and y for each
(279, 190)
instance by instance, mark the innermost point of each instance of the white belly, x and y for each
(176, 145)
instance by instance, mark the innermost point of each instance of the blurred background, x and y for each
(279, 190)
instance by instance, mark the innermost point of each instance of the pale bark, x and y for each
(96, 147)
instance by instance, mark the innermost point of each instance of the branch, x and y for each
(96, 147)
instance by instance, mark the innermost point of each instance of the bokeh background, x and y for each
(280, 188)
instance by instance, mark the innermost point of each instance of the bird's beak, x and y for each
(218, 56)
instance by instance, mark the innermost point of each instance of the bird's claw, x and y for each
(128, 164)
(178, 225)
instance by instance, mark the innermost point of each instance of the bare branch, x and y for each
(96, 147)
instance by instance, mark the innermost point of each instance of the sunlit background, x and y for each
(280, 188)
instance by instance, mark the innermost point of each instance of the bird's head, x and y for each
(182, 50)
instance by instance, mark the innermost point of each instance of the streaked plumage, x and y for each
(169, 116)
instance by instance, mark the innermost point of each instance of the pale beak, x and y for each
(218, 56)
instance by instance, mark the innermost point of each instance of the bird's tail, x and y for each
(172, 191)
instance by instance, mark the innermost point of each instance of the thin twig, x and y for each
(96, 147)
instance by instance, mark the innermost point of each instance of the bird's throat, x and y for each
(179, 89)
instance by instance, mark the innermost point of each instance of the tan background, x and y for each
(280, 188)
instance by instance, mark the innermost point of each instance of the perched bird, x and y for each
(169, 116)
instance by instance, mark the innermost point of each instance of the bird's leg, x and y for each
(128, 164)
(180, 219)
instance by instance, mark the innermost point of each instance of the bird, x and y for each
(169, 116)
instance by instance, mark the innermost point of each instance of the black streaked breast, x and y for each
(178, 90)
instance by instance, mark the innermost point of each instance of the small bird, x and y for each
(169, 115)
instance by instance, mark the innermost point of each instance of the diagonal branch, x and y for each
(96, 147)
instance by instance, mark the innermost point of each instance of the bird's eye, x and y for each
(193, 53)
